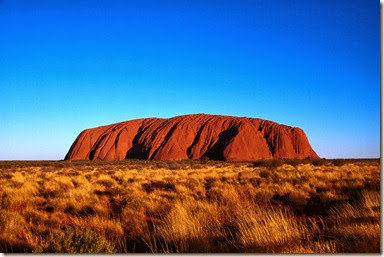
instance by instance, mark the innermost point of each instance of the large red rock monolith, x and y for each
(192, 137)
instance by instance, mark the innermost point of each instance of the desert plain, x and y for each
(199, 206)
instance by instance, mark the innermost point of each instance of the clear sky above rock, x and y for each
(70, 65)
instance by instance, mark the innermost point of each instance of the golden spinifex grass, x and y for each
(190, 206)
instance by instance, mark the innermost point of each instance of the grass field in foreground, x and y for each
(324, 206)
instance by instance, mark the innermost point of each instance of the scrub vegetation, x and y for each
(134, 206)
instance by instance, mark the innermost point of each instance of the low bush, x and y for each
(192, 183)
(274, 163)
(75, 240)
(319, 162)
(339, 162)
(161, 185)
(213, 195)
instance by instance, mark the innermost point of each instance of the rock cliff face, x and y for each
(192, 137)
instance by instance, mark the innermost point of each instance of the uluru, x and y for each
(193, 136)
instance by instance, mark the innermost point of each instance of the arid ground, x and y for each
(290, 206)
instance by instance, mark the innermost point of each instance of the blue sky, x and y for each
(70, 65)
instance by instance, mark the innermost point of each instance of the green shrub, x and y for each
(209, 182)
(174, 165)
(76, 240)
(339, 162)
(192, 183)
(259, 163)
(160, 185)
(267, 174)
(319, 162)
(130, 201)
(5, 202)
(213, 195)
(294, 162)
(204, 159)
(274, 163)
